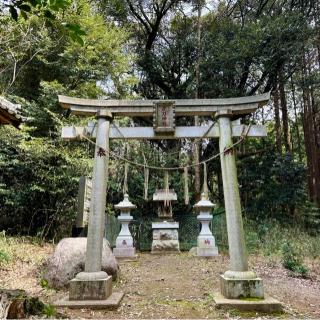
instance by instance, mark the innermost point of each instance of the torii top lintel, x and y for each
(183, 107)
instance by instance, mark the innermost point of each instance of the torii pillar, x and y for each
(92, 288)
(238, 282)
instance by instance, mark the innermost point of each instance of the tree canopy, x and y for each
(159, 49)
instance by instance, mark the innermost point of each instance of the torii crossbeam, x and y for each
(236, 282)
(184, 107)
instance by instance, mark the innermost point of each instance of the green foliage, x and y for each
(34, 51)
(242, 53)
(4, 257)
(291, 260)
(76, 32)
(269, 237)
(272, 185)
(39, 173)
(49, 311)
(48, 10)
(40, 180)
(44, 283)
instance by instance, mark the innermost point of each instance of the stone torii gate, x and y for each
(93, 287)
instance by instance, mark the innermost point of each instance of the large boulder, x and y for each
(68, 259)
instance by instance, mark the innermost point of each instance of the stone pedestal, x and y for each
(123, 252)
(206, 246)
(124, 242)
(244, 291)
(90, 290)
(165, 237)
(241, 288)
(267, 305)
(93, 294)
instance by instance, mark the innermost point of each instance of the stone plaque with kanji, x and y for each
(164, 117)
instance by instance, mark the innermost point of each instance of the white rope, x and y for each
(205, 182)
(146, 179)
(166, 189)
(125, 182)
(102, 151)
(186, 186)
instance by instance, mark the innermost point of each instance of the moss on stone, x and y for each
(251, 299)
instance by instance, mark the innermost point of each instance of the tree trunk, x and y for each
(315, 147)
(311, 126)
(284, 111)
(277, 120)
(307, 139)
(296, 121)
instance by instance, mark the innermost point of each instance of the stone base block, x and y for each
(239, 288)
(162, 246)
(81, 290)
(112, 302)
(125, 252)
(267, 305)
(207, 252)
(164, 252)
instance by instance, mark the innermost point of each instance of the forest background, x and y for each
(163, 49)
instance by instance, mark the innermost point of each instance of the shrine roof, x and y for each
(162, 195)
(10, 113)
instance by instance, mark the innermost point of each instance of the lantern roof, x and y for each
(204, 202)
(125, 203)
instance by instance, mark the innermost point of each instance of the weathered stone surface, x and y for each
(241, 288)
(268, 304)
(165, 237)
(207, 252)
(112, 303)
(98, 194)
(165, 234)
(237, 247)
(129, 252)
(165, 225)
(90, 290)
(191, 107)
(69, 259)
(165, 245)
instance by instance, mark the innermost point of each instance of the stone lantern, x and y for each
(205, 243)
(124, 242)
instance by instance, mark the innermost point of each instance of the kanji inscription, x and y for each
(164, 117)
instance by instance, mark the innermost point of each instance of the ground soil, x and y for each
(174, 286)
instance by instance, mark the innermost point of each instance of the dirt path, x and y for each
(182, 286)
(179, 286)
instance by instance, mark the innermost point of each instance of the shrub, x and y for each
(291, 260)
